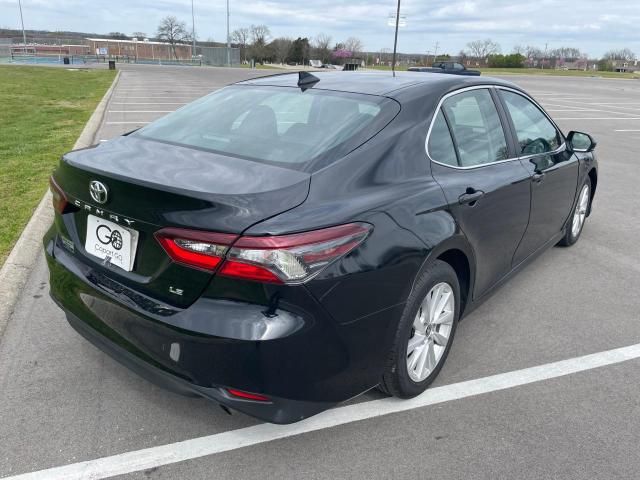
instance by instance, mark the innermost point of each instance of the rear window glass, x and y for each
(279, 125)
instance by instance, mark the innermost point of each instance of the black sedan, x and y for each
(289, 242)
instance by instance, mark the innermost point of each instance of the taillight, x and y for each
(204, 250)
(256, 397)
(60, 201)
(289, 259)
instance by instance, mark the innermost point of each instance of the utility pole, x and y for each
(395, 41)
(228, 38)
(435, 52)
(24, 35)
(193, 32)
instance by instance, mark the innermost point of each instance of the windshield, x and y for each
(280, 125)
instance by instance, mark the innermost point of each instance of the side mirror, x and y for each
(580, 142)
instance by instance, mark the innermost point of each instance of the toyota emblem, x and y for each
(98, 191)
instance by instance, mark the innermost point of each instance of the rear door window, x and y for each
(476, 128)
(441, 148)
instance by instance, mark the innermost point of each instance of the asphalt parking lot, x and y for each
(63, 402)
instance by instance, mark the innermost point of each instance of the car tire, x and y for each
(400, 379)
(575, 225)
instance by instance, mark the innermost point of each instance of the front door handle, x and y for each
(537, 177)
(470, 197)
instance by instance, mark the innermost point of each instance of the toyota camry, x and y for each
(289, 242)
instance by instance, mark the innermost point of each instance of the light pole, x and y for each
(193, 32)
(395, 41)
(228, 38)
(24, 35)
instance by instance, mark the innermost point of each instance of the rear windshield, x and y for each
(279, 125)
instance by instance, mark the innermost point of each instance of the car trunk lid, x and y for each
(152, 185)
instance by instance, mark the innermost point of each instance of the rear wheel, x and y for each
(425, 332)
(576, 224)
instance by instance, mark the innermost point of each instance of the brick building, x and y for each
(138, 49)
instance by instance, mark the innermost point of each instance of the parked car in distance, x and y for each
(288, 242)
(446, 67)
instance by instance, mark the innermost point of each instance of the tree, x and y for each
(173, 31)
(118, 35)
(321, 47)
(139, 35)
(300, 50)
(513, 60)
(281, 48)
(354, 45)
(240, 37)
(518, 49)
(259, 36)
(623, 54)
(483, 48)
(566, 53)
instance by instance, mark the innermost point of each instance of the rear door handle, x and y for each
(471, 197)
(537, 177)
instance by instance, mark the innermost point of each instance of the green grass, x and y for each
(530, 71)
(559, 73)
(258, 66)
(42, 112)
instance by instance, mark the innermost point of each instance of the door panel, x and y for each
(495, 223)
(553, 188)
(487, 191)
(553, 170)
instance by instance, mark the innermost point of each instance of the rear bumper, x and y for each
(279, 410)
(293, 351)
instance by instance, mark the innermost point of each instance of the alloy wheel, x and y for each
(431, 331)
(580, 213)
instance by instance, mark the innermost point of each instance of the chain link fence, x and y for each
(218, 56)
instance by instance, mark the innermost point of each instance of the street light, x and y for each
(228, 38)
(193, 31)
(395, 40)
(24, 35)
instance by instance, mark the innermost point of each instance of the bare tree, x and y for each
(322, 47)
(623, 54)
(139, 35)
(259, 36)
(569, 53)
(519, 49)
(240, 37)
(173, 31)
(354, 45)
(483, 48)
(281, 49)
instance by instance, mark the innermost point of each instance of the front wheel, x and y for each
(425, 332)
(576, 224)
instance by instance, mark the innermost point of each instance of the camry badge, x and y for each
(98, 191)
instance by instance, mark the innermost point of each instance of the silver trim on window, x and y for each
(560, 149)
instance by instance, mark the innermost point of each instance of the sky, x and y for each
(593, 26)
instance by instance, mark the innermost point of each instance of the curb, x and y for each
(20, 262)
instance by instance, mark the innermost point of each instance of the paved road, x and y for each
(62, 401)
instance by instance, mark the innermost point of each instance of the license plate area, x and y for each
(107, 239)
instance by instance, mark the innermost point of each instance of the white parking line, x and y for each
(125, 123)
(626, 130)
(598, 118)
(141, 111)
(164, 97)
(223, 442)
(147, 103)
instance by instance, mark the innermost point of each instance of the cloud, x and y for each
(591, 25)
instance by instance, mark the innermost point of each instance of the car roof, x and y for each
(378, 83)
